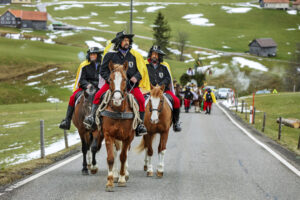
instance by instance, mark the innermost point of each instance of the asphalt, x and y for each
(210, 159)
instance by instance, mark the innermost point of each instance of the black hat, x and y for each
(121, 35)
(156, 48)
(94, 50)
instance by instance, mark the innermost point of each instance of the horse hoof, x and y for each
(126, 178)
(145, 168)
(109, 189)
(149, 174)
(85, 172)
(116, 179)
(159, 174)
(94, 171)
(121, 184)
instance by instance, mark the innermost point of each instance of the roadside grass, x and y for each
(19, 57)
(15, 172)
(25, 139)
(284, 105)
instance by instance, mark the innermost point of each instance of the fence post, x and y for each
(264, 123)
(246, 107)
(242, 110)
(66, 139)
(298, 142)
(279, 129)
(42, 138)
(254, 110)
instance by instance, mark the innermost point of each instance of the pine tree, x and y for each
(162, 32)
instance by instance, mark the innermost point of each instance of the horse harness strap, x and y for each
(117, 115)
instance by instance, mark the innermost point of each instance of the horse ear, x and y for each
(125, 66)
(111, 66)
(162, 87)
(151, 86)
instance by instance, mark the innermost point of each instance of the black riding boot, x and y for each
(66, 123)
(141, 129)
(89, 121)
(176, 124)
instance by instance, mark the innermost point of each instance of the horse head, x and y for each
(118, 80)
(156, 102)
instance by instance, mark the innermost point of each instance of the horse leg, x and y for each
(115, 166)
(109, 142)
(161, 153)
(84, 152)
(89, 154)
(149, 156)
(123, 159)
(94, 148)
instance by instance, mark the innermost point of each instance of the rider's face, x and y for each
(154, 55)
(93, 56)
(125, 43)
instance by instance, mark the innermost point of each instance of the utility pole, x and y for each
(131, 11)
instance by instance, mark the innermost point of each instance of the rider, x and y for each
(188, 97)
(119, 51)
(87, 76)
(159, 73)
(209, 98)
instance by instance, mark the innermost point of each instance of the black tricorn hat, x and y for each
(121, 35)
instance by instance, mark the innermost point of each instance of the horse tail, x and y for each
(141, 146)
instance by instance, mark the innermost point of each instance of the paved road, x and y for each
(210, 159)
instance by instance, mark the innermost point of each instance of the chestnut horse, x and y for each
(158, 119)
(117, 129)
(91, 142)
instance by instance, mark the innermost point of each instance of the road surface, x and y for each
(210, 159)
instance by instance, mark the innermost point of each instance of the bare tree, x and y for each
(182, 41)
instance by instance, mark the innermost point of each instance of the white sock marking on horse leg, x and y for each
(145, 160)
(115, 166)
(89, 157)
(161, 160)
(149, 166)
(126, 166)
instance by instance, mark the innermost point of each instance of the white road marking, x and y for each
(31, 178)
(273, 153)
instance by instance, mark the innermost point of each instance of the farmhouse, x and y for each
(296, 4)
(24, 19)
(274, 4)
(265, 47)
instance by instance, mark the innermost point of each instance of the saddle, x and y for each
(78, 96)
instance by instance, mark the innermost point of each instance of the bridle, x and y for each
(161, 102)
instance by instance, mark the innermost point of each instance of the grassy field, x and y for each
(25, 139)
(233, 30)
(285, 105)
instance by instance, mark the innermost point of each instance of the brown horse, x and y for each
(158, 119)
(91, 142)
(117, 131)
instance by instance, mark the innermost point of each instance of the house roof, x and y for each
(276, 1)
(265, 42)
(29, 15)
(296, 2)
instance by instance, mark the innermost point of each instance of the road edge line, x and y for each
(273, 153)
(46, 171)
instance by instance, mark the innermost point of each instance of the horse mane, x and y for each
(156, 91)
